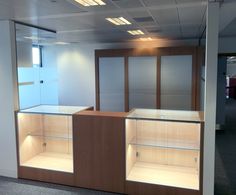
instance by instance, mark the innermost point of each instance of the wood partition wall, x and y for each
(197, 58)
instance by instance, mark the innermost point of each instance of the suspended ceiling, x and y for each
(159, 19)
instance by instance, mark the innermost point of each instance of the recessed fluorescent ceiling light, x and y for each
(135, 32)
(90, 2)
(119, 21)
(146, 39)
(61, 43)
(35, 38)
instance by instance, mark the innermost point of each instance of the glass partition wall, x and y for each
(36, 77)
(44, 129)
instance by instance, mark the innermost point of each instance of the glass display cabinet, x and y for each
(163, 147)
(45, 137)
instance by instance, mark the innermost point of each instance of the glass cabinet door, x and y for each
(164, 153)
(162, 150)
(45, 141)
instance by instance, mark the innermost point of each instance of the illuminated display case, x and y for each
(45, 137)
(163, 147)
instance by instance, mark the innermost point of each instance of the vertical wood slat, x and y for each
(97, 83)
(126, 84)
(194, 79)
(158, 83)
(198, 76)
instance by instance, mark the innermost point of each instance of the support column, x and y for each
(212, 33)
(8, 159)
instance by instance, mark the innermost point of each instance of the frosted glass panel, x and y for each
(29, 86)
(111, 79)
(176, 82)
(142, 82)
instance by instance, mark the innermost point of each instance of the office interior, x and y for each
(117, 97)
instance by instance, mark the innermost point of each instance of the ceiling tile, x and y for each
(138, 14)
(192, 15)
(127, 3)
(189, 1)
(190, 31)
(230, 30)
(158, 2)
(166, 16)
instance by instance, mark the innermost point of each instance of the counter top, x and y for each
(54, 109)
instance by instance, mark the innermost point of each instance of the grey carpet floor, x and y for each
(225, 163)
(9, 186)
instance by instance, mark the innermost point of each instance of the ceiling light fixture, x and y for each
(118, 21)
(34, 38)
(61, 43)
(135, 32)
(88, 3)
(146, 39)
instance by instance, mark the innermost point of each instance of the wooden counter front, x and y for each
(99, 150)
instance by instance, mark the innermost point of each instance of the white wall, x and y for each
(76, 75)
(8, 162)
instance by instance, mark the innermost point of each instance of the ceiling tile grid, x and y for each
(156, 18)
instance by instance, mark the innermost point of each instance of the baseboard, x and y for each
(8, 173)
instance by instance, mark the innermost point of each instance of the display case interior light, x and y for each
(118, 21)
(88, 3)
(135, 32)
(146, 39)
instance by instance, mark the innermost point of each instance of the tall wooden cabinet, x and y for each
(99, 139)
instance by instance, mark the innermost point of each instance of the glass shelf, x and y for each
(51, 135)
(54, 109)
(174, 144)
(166, 115)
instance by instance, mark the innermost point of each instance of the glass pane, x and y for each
(111, 80)
(142, 82)
(176, 82)
(36, 55)
(35, 87)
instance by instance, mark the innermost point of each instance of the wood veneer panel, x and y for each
(135, 188)
(99, 151)
(46, 175)
(126, 84)
(158, 80)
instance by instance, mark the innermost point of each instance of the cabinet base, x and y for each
(46, 176)
(136, 188)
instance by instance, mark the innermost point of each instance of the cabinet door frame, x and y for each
(197, 60)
